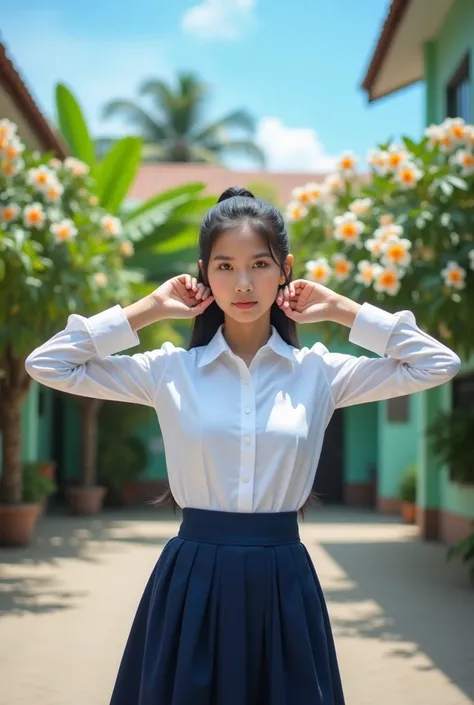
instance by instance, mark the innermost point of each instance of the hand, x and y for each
(308, 302)
(182, 297)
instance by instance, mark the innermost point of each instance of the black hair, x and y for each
(238, 207)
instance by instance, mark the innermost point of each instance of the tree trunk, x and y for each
(89, 431)
(13, 390)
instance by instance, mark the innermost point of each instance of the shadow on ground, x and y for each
(405, 594)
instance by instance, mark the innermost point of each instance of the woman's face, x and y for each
(243, 276)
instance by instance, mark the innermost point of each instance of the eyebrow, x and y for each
(227, 258)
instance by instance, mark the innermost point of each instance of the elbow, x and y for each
(31, 367)
(454, 365)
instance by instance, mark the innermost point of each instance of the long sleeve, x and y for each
(411, 360)
(80, 360)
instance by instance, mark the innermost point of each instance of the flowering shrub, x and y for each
(59, 251)
(401, 235)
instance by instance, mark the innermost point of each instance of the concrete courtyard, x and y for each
(403, 619)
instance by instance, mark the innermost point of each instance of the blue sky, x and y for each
(296, 66)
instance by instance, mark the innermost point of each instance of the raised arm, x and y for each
(81, 358)
(411, 360)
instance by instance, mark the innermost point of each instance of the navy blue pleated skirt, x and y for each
(233, 614)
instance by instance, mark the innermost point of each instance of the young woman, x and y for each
(233, 613)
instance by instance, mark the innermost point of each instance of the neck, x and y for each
(246, 339)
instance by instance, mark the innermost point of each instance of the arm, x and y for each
(411, 360)
(80, 359)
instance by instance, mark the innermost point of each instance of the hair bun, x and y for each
(235, 191)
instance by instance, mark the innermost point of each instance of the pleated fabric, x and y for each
(233, 614)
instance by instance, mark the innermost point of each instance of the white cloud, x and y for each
(96, 68)
(292, 148)
(218, 19)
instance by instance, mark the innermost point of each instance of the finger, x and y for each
(188, 281)
(194, 283)
(202, 305)
(279, 297)
(292, 290)
(200, 291)
(207, 293)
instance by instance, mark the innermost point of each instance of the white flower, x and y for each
(347, 228)
(100, 279)
(54, 192)
(361, 206)
(396, 251)
(295, 211)
(13, 149)
(454, 275)
(387, 280)
(374, 246)
(64, 230)
(367, 272)
(435, 134)
(471, 258)
(308, 194)
(455, 128)
(55, 163)
(76, 167)
(41, 177)
(408, 175)
(9, 213)
(386, 231)
(334, 184)
(396, 157)
(34, 216)
(377, 159)
(126, 248)
(342, 267)
(465, 159)
(111, 225)
(10, 168)
(469, 136)
(318, 270)
(346, 163)
(7, 129)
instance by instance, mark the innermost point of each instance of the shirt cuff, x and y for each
(111, 332)
(372, 328)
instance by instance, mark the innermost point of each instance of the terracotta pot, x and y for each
(17, 523)
(408, 512)
(86, 501)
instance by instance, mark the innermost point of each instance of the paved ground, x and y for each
(403, 620)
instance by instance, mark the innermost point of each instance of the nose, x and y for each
(244, 284)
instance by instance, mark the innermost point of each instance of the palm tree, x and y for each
(174, 131)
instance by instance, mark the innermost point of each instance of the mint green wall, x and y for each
(150, 433)
(397, 448)
(360, 442)
(443, 55)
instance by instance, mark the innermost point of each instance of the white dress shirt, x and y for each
(242, 438)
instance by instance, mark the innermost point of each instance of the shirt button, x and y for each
(247, 410)
(247, 439)
(245, 478)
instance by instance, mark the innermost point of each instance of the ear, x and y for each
(287, 268)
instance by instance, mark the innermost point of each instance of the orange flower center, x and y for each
(388, 279)
(468, 160)
(42, 179)
(407, 176)
(458, 131)
(347, 163)
(396, 253)
(455, 276)
(319, 272)
(304, 197)
(8, 168)
(342, 267)
(35, 216)
(8, 214)
(394, 159)
(349, 230)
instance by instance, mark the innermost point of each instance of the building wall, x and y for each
(443, 56)
(445, 508)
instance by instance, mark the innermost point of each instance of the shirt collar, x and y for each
(218, 345)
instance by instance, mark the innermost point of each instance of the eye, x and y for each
(261, 264)
(224, 264)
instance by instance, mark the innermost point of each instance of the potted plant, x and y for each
(16, 527)
(407, 494)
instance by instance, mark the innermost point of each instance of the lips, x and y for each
(245, 304)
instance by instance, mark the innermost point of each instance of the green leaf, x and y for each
(73, 125)
(190, 189)
(117, 172)
(457, 182)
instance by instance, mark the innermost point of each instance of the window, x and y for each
(398, 410)
(458, 97)
(463, 392)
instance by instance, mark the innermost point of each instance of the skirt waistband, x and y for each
(239, 528)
